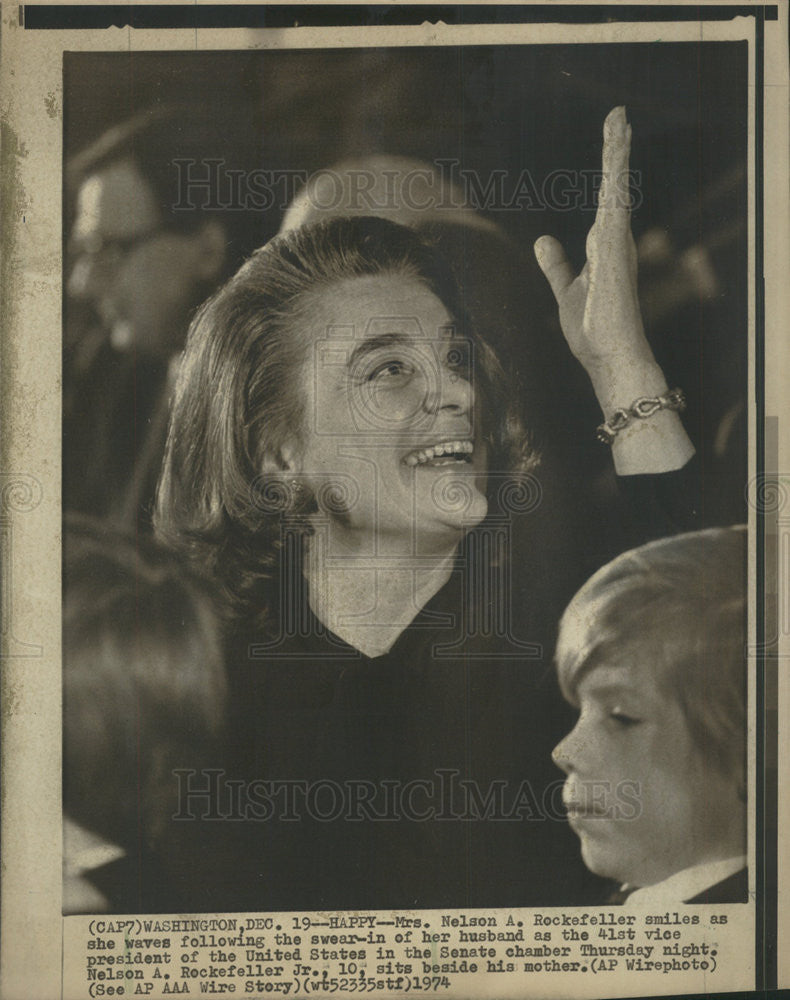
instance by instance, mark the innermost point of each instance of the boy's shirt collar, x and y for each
(685, 884)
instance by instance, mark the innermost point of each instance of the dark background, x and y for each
(492, 108)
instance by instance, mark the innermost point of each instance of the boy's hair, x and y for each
(676, 608)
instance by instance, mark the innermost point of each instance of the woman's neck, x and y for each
(369, 599)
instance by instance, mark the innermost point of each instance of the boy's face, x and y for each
(639, 794)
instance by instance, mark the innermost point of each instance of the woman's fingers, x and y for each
(609, 236)
(554, 263)
(599, 308)
(614, 197)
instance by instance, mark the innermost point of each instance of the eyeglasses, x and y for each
(108, 253)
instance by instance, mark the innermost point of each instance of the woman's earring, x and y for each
(297, 493)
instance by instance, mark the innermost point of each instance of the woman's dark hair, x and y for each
(238, 396)
(144, 682)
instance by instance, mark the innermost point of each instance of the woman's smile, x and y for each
(441, 454)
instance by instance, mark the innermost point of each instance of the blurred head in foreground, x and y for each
(651, 651)
(144, 686)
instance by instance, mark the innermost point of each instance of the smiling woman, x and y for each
(338, 433)
(346, 462)
(334, 380)
(401, 391)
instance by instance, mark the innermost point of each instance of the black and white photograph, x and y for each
(324, 353)
(412, 556)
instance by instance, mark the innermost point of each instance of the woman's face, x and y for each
(390, 445)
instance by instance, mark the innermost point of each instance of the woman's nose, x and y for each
(448, 389)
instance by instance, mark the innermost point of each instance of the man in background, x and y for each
(150, 240)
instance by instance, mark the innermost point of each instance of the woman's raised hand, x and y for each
(602, 322)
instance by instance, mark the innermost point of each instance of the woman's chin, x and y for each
(451, 497)
(467, 509)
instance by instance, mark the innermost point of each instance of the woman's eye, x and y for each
(392, 369)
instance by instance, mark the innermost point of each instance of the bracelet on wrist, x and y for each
(641, 409)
